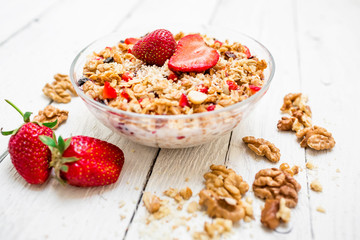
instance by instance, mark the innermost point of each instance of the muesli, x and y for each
(162, 74)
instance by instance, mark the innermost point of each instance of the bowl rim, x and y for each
(182, 116)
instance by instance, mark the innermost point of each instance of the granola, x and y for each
(156, 90)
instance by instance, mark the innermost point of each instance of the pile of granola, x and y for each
(156, 90)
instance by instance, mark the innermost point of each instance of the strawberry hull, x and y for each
(29, 155)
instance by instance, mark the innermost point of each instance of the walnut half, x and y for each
(262, 147)
(315, 137)
(273, 183)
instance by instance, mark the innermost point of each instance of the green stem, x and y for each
(16, 108)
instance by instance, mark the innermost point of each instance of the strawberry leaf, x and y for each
(7, 133)
(67, 143)
(26, 117)
(48, 141)
(69, 159)
(50, 124)
(61, 145)
(64, 168)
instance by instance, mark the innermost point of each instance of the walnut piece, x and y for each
(316, 186)
(152, 202)
(286, 168)
(58, 90)
(268, 214)
(310, 165)
(284, 212)
(218, 227)
(316, 137)
(285, 124)
(186, 193)
(192, 207)
(225, 182)
(295, 101)
(321, 209)
(50, 114)
(221, 207)
(262, 147)
(273, 183)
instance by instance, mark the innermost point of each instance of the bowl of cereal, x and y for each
(196, 85)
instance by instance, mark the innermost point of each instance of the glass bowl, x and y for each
(173, 131)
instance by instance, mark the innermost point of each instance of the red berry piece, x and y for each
(125, 95)
(127, 76)
(254, 88)
(184, 101)
(155, 48)
(131, 40)
(84, 161)
(211, 108)
(28, 154)
(232, 85)
(217, 41)
(247, 51)
(109, 91)
(193, 55)
(203, 89)
(173, 76)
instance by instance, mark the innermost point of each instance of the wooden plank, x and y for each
(41, 211)
(15, 15)
(329, 75)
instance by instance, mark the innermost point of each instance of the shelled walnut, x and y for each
(273, 183)
(225, 182)
(58, 90)
(50, 114)
(286, 123)
(317, 138)
(263, 147)
(295, 101)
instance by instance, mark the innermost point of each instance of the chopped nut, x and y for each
(284, 212)
(273, 183)
(310, 165)
(268, 214)
(337, 170)
(171, 192)
(285, 124)
(161, 213)
(321, 209)
(225, 182)
(316, 186)
(50, 114)
(295, 101)
(219, 207)
(197, 97)
(263, 148)
(57, 91)
(186, 193)
(286, 168)
(192, 207)
(317, 138)
(121, 204)
(218, 227)
(178, 198)
(151, 201)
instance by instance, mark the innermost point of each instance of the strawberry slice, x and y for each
(184, 101)
(211, 108)
(131, 40)
(173, 76)
(193, 55)
(232, 85)
(127, 76)
(109, 91)
(125, 95)
(254, 88)
(155, 48)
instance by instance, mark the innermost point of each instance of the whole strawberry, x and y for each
(85, 161)
(155, 48)
(28, 154)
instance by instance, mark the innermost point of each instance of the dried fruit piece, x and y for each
(193, 55)
(183, 102)
(127, 76)
(254, 88)
(229, 54)
(273, 183)
(263, 147)
(232, 85)
(155, 48)
(109, 91)
(125, 95)
(211, 108)
(109, 60)
(247, 51)
(173, 76)
(316, 137)
(131, 40)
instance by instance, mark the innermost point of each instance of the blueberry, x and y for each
(82, 81)
(122, 41)
(109, 60)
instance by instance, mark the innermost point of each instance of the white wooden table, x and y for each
(316, 46)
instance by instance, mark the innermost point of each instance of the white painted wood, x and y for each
(329, 62)
(17, 14)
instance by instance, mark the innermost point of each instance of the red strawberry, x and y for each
(109, 91)
(211, 108)
(85, 161)
(173, 76)
(254, 88)
(184, 101)
(232, 85)
(125, 95)
(28, 154)
(127, 76)
(193, 55)
(155, 48)
(131, 40)
(203, 89)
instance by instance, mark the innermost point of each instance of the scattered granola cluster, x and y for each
(262, 147)
(315, 137)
